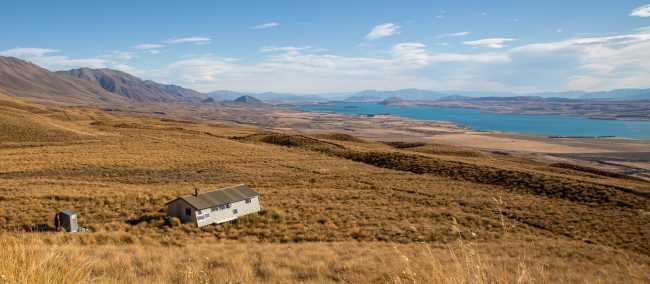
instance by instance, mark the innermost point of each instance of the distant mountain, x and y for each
(268, 97)
(455, 98)
(134, 88)
(478, 94)
(248, 100)
(225, 95)
(404, 94)
(620, 94)
(277, 98)
(425, 95)
(26, 80)
(510, 99)
(566, 95)
(209, 101)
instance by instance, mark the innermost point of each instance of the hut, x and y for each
(214, 207)
(66, 220)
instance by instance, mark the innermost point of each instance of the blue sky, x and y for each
(342, 46)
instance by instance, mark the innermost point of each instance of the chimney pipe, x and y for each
(196, 191)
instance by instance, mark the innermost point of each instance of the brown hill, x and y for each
(22, 122)
(248, 100)
(355, 204)
(134, 88)
(26, 80)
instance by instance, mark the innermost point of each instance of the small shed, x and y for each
(67, 220)
(214, 207)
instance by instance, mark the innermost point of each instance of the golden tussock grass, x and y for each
(336, 209)
(29, 261)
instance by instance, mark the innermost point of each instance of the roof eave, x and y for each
(182, 199)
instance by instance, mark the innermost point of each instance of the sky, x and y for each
(342, 46)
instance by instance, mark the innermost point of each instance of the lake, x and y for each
(548, 125)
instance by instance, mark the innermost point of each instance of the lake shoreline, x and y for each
(501, 122)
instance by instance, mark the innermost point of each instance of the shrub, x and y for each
(172, 222)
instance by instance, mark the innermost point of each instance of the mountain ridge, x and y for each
(86, 86)
(26, 80)
(134, 88)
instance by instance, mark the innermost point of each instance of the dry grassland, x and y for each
(329, 200)
(29, 261)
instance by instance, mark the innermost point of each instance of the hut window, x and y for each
(248, 200)
(188, 211)
(234, 211)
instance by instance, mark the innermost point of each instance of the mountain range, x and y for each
(271, 97)
(87, 86)
(424, 95)
(134, 88)
(26, 80)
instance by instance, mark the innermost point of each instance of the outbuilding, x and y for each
(67, 220)
(214, 207)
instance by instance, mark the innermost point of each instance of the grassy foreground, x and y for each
(336, 208)
(31, 261)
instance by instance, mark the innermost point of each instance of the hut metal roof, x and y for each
(218, 197)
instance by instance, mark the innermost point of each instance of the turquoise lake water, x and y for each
(549, 125)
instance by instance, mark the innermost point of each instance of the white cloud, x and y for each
(50, 59)
(415, 54)
(458, 34)
(577, 43)
(383, 30)
(265, 26)
(643, 11)
(194, 40)
(586, 62)
(489, 42)
(148, 46)
(579, 83)
(119, 55)
(597, 63)
(129, 69)
(287, 49)
(301, 69)
(22, 52)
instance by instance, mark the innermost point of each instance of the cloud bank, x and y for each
(578, 63)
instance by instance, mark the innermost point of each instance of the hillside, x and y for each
(335, 196)
(134, 88)
(23, 123)
(247, 100)
(29, 81)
